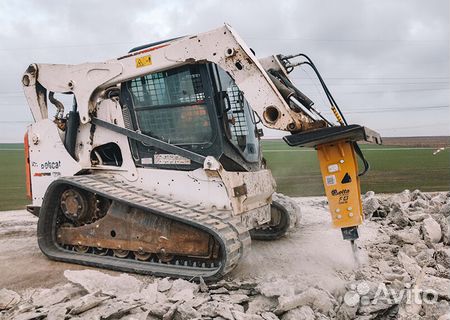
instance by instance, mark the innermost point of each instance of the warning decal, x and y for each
(346, 179)
(330, 180)
(143, 61)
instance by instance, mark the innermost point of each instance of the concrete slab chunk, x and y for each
(409, 264)
(302, 313)
(261, 303)
(440, 285)
(8, 299)
(431, 231)
(87, 302)
(443, 257)
(57, 294)
(150, 292)
(164, 285)
(186, 312)
(183, 295)
(277, 288)
(94, 281)
(317, 299)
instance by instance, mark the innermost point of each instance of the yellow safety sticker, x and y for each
(143, 61)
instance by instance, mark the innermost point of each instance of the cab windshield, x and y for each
(171, 106)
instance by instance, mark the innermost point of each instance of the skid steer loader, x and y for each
(156, 166)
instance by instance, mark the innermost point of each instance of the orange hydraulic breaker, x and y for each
(337, 149)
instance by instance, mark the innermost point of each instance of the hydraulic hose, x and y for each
(322, 82)
(291, 93)
(58, 104)
(363, 159)
(334, 106)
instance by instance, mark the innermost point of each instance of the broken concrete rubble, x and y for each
(164, 285)
(418, 246)
(398, 216)
(261, 303)
(431, 231)
(445, 210)
(87, 302)
(409, 264)
(49, 297)
(409, 251)
(279, 287)
(94, 281)
(185, 311)
(445, 227)
(8, 299)
(439, 285)
(302, 313)
(318, 300)
(231, 298)
(370, 205)
(443, 257)
(407, 236)
(183, 295)
(150, 293)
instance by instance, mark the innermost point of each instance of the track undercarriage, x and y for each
(98, 221)
(276, 227)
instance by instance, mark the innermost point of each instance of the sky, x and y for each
(386, 62)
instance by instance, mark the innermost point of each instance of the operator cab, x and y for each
(197, 107)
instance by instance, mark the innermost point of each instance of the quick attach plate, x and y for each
(326, 135)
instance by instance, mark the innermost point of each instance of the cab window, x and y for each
(239, 120)
(171, 106)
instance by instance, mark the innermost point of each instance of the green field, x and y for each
(296, 171)
(12, 177)
(392, 169)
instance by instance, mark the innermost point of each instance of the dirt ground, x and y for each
(314, 251)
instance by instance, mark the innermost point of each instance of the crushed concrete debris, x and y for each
(408, 257)
(87, 302)
(94, 281)
(318, 300)
(442, 257)
(8, 299)
(370, 206)
(409, 264)
(164, 285)
(445, 210)
(439, 285)
(414, 259)
(431, 231)
(302, 313)
(261, 303)
(279, 287)
(58, 294)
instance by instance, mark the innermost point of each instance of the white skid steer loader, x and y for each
(156, 167)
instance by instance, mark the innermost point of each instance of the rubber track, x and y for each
(232, 236)
(270, 233)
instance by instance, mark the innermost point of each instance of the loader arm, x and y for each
(221, 46)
